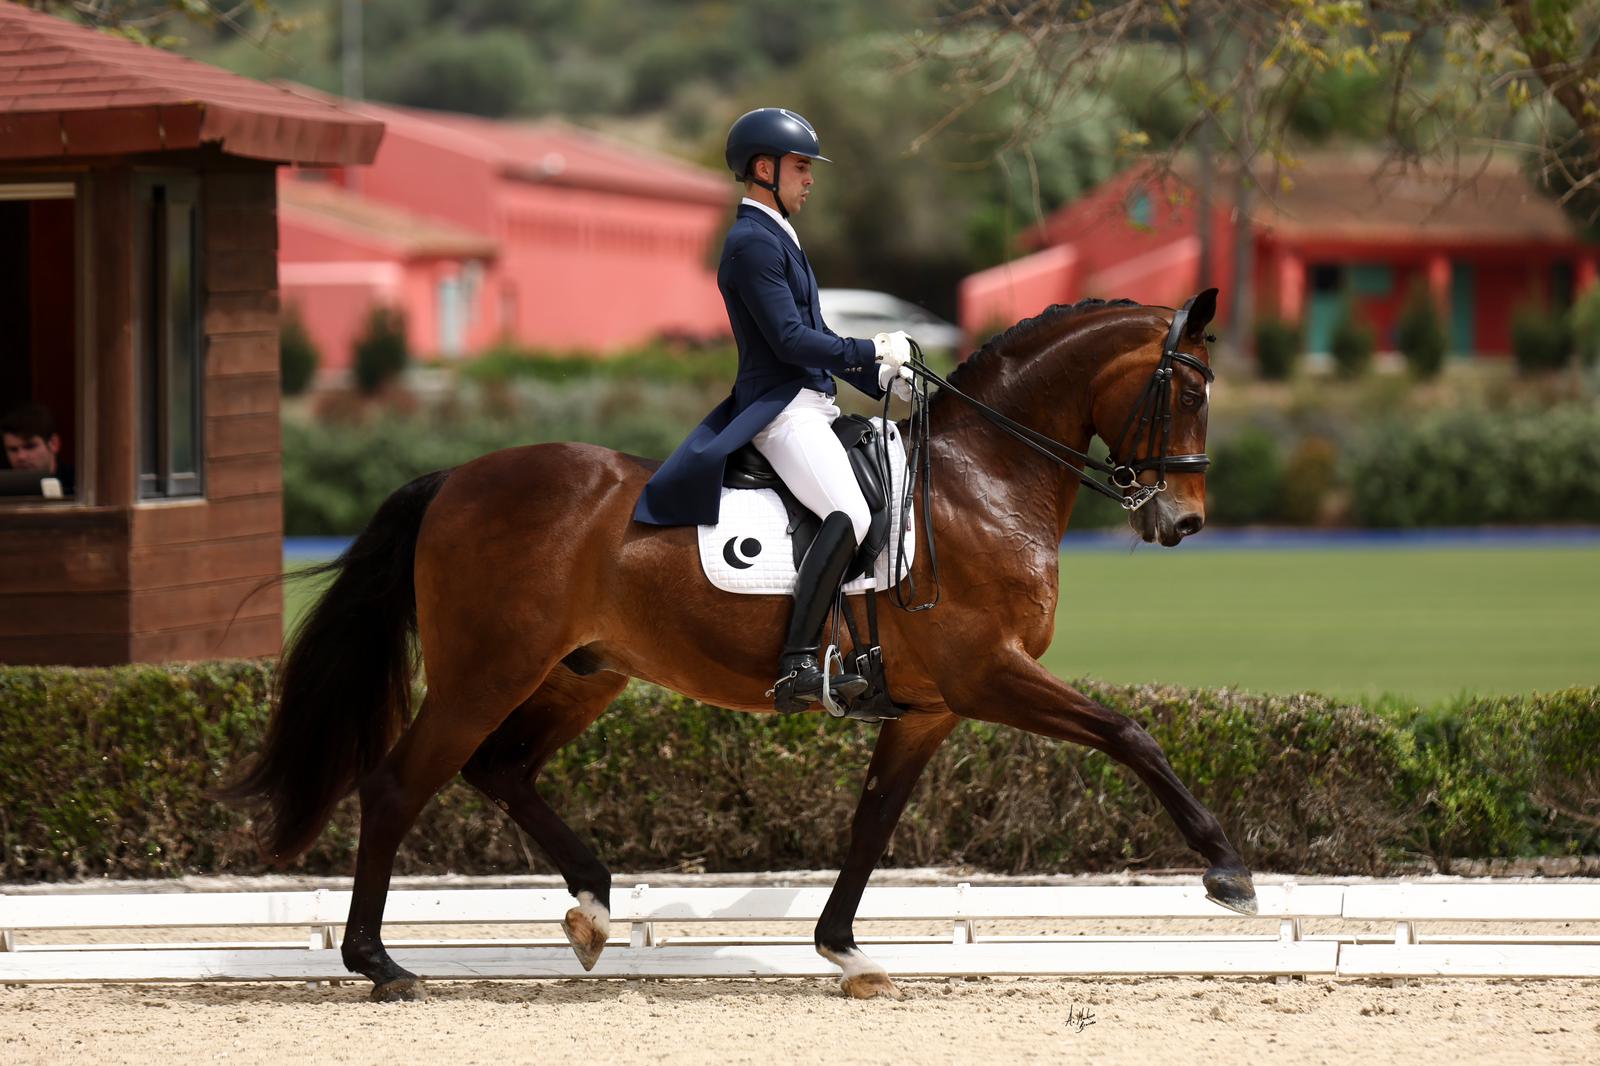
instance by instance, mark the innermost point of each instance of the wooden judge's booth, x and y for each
(139, 307)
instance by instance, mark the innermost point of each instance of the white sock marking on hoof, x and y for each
(852, 962)
(596, 912)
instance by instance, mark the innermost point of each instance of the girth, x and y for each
(749, 469)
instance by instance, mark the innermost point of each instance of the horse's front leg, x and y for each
(904, 747)
(1019, 692)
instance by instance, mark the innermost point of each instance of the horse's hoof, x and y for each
(587, 938)
(1231, 887)
(870, 986)
(399, 990)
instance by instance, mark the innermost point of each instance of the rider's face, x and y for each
(795, 185)
(794, 181)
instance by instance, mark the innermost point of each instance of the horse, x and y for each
(534, 598)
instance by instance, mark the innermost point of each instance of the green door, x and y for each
(1463, 338)
(1326, 305)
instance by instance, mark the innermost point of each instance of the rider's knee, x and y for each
(860, 518)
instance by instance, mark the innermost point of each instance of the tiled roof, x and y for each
(555, 153)
(68, 90)
(1361, 198)
(329, 206)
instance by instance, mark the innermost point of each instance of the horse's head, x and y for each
(1150, 407)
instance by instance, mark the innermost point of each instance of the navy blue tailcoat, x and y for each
(784, 346)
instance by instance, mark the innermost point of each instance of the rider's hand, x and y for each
(901, 385)
(892, 349)
(893, 352)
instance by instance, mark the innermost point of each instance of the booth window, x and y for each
(38, 341)
(168, 262)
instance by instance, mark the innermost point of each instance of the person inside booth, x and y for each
(33, 454)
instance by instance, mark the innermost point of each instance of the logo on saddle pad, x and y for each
(751, 550)
(740, 558)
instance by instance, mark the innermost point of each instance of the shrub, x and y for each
(1540, 340)
(715, 363)
(336, 473)
(1310, 478)
(1245, 482)
(380, 352)
(108, 770)
(298, 357)
(1420, 333)
(1351, 346)
(1472, 467)
(1278, 347)
(1584, 322)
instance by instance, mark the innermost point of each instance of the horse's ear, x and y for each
(1200, 315)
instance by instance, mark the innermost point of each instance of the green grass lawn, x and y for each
(1423, 625)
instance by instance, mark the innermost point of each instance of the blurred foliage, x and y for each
(1541, 340)
(109, 771)
(298, 357)
(1351, 345)
(1420, 333)
(336, 472)
(1245, 483)
(1471, 468)
(1584, 321)
(1278, 347)
(381, 352)
(709, 365)
(482, 74)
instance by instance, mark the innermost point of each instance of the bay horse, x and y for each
(534, 597)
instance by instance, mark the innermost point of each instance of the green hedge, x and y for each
(335, 474)
(107, 770)
(1471, 468)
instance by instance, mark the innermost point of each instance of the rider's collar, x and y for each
(779, 219)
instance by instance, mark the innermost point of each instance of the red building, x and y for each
(540, 234)
(1343, 234)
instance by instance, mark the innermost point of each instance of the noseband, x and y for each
(1149, 425)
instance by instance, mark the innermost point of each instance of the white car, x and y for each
(863, 313)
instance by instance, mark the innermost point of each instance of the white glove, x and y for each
(901, 385)
(893, 351)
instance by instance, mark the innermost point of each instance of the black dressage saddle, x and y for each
(748, 469)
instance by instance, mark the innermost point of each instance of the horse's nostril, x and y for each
(1190, 524)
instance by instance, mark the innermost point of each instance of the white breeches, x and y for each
(800, 445)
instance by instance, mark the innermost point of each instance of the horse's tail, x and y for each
(343, 688)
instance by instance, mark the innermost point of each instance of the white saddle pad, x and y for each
(748, 550)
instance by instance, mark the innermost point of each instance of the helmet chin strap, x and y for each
(772, 186)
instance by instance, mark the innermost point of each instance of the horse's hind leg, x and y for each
(505, 768)
(431, 751)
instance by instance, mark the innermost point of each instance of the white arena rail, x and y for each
(1279, 949)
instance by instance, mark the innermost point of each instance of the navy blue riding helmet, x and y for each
(774, 131)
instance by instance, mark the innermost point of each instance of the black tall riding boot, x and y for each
(800, 671)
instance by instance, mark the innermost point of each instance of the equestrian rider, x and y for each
(783, 397)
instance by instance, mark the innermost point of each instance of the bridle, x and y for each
(1151, 419)
(1150, 422)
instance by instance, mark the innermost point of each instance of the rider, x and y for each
(783, 396)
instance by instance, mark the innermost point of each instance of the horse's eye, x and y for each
(1191, 399)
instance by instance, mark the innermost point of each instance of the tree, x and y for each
(1426, 77)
